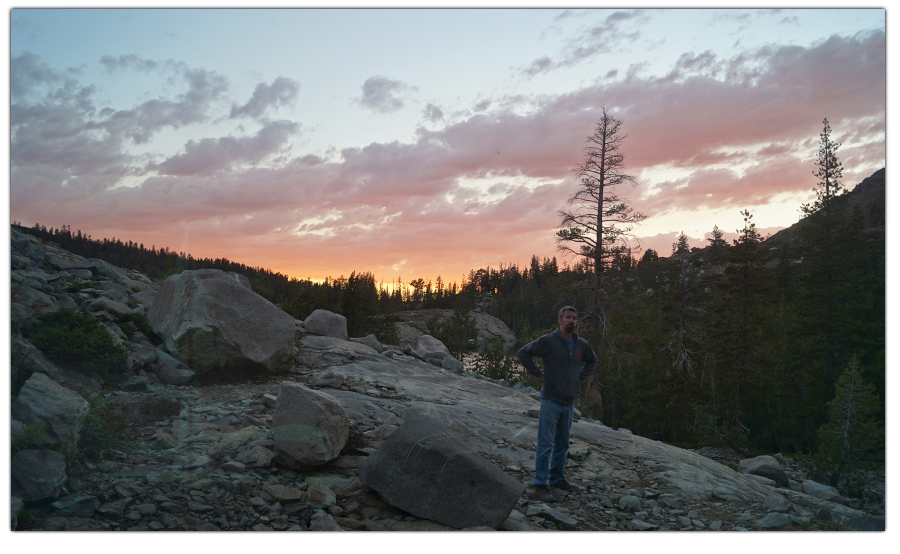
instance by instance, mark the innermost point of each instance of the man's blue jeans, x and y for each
(554, 423)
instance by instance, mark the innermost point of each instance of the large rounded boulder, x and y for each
(212, 321)
(426, 469)
(430, 347)
(309, 427)
(764, 466)
(326, 324)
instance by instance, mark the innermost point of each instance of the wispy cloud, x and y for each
(282, 92)
(612, 35)
(140, 123)
(209, 155)
(432, 113)
(124, 62)
(384, 95)
(28, 71)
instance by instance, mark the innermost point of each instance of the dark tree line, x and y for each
(762, 344)
(366, 303)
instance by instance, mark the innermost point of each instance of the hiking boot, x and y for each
(566, 486)
(542, 493)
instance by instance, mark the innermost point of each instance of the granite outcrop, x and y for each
(214, 456)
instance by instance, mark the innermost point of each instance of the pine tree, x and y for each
(359, 304)
(681, 310)
(493, 362)
(458, 332)
(717, 239)
(740, 340)
(681, 248)
(828, 171)
(853, 438)
(680, 387)
(717, 244)
(649, 256)
(822, 336)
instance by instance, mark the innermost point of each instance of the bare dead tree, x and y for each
(599, 222)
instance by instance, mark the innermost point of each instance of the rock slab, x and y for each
(79, 504)
(37, 474)
(171, 371)
(774, 521)
(824, 492)
(430, 472)
(27, 359)
(764, 466)
(867, 523)
(564, 521)
(59, 410)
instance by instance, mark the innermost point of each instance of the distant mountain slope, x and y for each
(869, 195)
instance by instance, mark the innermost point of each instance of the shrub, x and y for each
(125, 329)
(139, 386)
(78, 341)
(433, 326)
(139, 321)
(26, 440)
(103, 431)
(75, 287)
(176, 271)
(382, 326)
(458, 333)
(494, 363)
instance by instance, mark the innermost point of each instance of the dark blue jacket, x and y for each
(563, 370)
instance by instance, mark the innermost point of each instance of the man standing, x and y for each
(568, 360)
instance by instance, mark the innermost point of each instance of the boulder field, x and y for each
(336, 433)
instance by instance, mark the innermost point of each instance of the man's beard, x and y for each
(570, 327)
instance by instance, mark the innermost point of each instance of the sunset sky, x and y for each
(421, 143)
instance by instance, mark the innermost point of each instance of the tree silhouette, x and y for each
(740, 338)
(650, 256)
(599, 222)
(827, 244)
(829, 171)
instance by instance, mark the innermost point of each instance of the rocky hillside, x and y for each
(232, 425)
(869, 196)
(413, 324)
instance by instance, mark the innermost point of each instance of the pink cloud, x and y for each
(388, 202)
